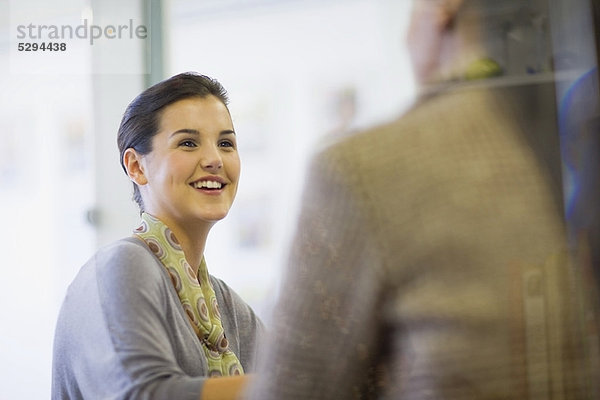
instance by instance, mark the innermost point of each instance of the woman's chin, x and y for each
(213, 217)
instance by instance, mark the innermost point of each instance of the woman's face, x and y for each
(193, 169)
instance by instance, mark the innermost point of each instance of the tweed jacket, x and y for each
(429, 262)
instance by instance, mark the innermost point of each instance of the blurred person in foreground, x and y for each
(143, 318)
(429, 261)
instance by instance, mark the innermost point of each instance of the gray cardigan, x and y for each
(122, 332)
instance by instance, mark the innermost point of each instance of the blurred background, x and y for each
(300, 73)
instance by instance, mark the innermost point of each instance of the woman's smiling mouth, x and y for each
(212, 183)
(207, 185)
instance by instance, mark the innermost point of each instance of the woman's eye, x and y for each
(188, 143)
(226, 143)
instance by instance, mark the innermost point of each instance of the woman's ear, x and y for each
(447, 16)
(452, 9)
(133, 164)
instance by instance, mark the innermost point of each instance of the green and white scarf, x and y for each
(196, 294)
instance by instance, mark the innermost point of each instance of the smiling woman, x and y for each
(151, 321)
(190, 177)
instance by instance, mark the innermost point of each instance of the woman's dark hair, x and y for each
(142, 117)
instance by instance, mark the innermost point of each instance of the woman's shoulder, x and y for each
(121, 263)
(130, 251)
(120, 273)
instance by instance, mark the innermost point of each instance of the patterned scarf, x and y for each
(196, 294)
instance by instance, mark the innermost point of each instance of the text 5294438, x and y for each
(44, 46)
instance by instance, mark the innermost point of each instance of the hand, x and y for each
(224, 388)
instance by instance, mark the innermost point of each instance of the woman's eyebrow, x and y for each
(195, 132)
(185, 131)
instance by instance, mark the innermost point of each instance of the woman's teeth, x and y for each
(208, 185)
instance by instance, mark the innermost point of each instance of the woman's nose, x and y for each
(211, 159)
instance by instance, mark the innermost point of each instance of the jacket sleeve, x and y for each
(325, 330)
